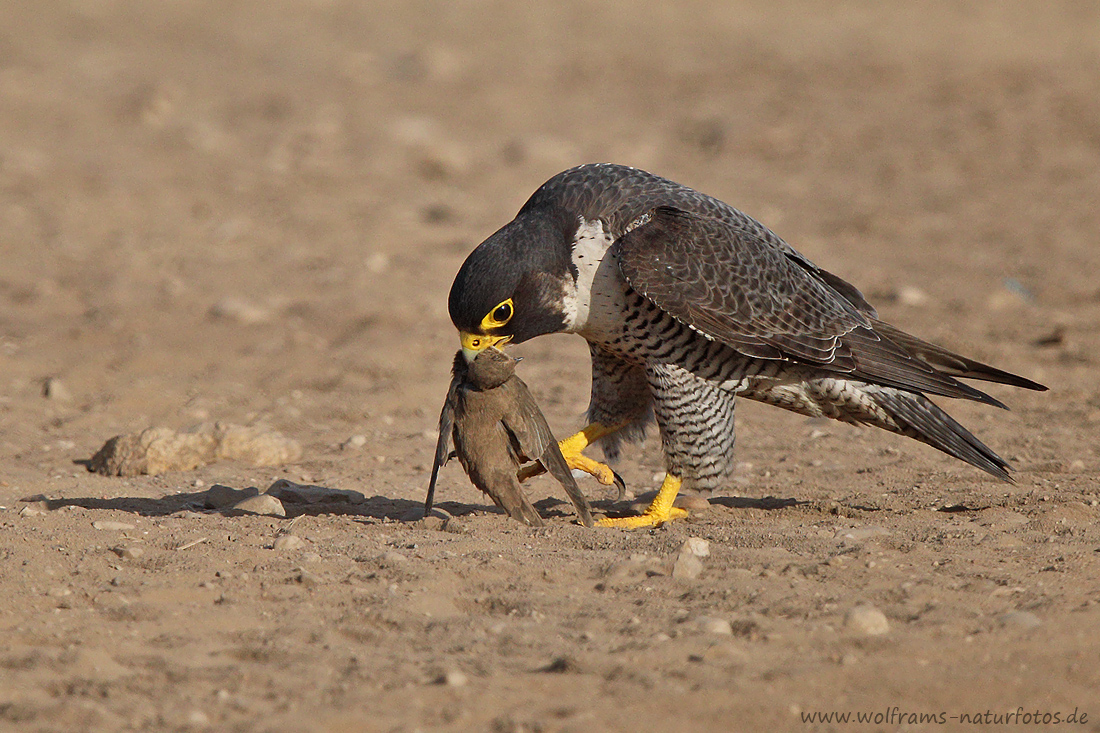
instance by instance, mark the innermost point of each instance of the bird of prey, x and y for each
(686, 304)
(495, 426)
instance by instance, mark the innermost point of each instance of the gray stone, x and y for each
(293, 493)
(220, 497)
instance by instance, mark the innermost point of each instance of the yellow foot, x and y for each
(659, 512)
(571, 449)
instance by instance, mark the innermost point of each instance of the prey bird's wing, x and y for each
(444, 444)
(525, 421)
(736, 282)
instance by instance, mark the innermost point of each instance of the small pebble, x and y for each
(288, 542)
(112, 526)
(714, 625)
(912, 296)
(198, 717)
(696, 546)
(262, 504)
(860, 534)
(687, 566)
(691, 503)
(453, 678)
(33, 510)
(355, 442)
(431, 521)
(866, 620)
(54, 389)
(392, 558)
(305, 577)
(1021, 619)
(128, 553)
(240, 310)
(457, 525)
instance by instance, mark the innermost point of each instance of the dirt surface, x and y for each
(250, 212)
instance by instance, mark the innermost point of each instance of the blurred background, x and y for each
(251, 211)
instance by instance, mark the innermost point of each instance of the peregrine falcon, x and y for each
(686, 304)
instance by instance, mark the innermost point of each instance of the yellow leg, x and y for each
(571, 449)
(659, 512)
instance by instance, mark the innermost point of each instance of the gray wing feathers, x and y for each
(733, 284)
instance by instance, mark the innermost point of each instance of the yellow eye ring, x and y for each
(499, 315)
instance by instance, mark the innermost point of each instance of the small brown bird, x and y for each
(495, 426)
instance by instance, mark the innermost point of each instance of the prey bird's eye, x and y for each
(498, 316)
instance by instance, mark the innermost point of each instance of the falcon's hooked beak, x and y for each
(474, 343)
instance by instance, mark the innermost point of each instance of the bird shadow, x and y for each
(322, 500)
(768, 503)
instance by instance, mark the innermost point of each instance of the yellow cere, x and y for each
(474, 342)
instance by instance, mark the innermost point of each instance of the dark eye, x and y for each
(502, 313)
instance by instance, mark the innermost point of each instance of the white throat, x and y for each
(595, 301)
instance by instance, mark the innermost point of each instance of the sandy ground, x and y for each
(250, 212)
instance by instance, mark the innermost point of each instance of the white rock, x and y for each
(687, 566)
(36, 509)
(866, 620)
(696, 546)
(262, 504)
(354, 442)
(454, 678)
(54, 389)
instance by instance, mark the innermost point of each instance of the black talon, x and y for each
(620, 485)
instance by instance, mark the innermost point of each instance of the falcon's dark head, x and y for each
(512, 286)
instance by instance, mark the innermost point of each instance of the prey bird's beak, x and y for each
(475, 343)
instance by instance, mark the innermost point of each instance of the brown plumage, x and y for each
(495, 426)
